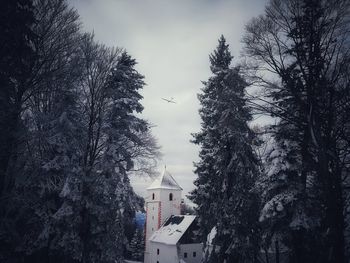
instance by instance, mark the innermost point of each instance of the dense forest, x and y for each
(71, 133)
(278, 192)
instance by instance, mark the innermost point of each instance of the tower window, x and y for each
(170, 197)
(153, 196)
(194, 254)
(157, 251)
(185, 255)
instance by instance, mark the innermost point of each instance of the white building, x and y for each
(170, 237)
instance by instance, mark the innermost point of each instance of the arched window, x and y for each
(170, 197)
(153, 196)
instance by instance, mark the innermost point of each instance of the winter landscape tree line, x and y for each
(71, 133)
(278, 192)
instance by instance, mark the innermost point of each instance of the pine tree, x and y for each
(227, 169)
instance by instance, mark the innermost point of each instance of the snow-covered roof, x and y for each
(173, 229)
(165, 181)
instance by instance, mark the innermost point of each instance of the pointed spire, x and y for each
(165, 181)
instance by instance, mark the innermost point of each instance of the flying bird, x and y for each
(171, 100)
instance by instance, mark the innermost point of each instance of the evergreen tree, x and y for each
(228, 167)
(69, 197)
(50, 156)
(141, 245)
(133, 245)
(306, 44)
(137, 245)
(16, 56)
(112, 137)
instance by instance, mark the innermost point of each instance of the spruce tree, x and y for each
(133, 245)
(228, 167)
(69, 136)
(108, 198)
(141, 245)
(137, 245)
(305, 44)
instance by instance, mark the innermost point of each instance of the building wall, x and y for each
(167, 253)
(170, 207)
(189, 249)
(158, 210)
(153, 209)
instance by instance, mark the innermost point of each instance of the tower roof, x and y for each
(165, 181)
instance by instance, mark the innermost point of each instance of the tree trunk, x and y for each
(277, 252)
(9, 157)
(336, 221)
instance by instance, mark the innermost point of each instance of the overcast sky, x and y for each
(171, 40)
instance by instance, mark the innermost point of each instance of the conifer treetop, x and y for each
(221, 58)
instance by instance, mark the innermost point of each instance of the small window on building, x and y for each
(152, 229)
(185, 255)
(170, 197)
(153, 196)
(157, 261)
(152, 217)
(194, 254)
(157, 251)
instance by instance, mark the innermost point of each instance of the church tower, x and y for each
(163, 200)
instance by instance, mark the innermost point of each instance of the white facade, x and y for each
(163, 253)
(165, 245)
(163, 200)
(166, 229)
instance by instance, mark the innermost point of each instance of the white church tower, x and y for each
(163, 200)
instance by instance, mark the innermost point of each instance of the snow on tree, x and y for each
(228, 167)
(304, 45)
(112, 127)
(137, 245)
(49, 148)
(17, 53)
(16, 56)
(71, 197)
